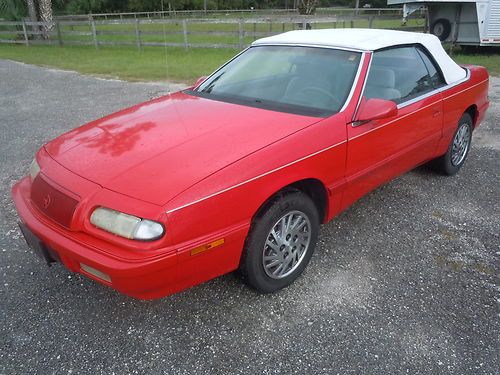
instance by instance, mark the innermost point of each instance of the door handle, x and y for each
(436, 113)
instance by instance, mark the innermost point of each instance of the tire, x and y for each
(451, 162)
(441, 28)
(269, 265)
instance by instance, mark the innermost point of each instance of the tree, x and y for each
(45, 10)
(12, 9)
(38, 10)
(307, 6)
(32, 10)
(45, 13)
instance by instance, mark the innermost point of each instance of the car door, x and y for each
(379, 150)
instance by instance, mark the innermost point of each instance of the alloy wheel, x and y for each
(286, 244)
(461, 144)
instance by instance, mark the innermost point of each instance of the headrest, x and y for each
(311, 66)
(382, 77)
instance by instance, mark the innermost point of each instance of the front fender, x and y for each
(231, 196)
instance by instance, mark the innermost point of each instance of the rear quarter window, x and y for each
(437, 79)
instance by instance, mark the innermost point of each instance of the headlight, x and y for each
(126, 225)
(34, 169)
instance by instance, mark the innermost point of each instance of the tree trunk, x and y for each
(32, 10)
(45, 12)
(30, 4)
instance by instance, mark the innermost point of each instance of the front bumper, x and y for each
(150, 276)
(146, 278)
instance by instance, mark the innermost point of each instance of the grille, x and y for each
(53, 203)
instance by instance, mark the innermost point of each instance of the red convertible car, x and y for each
(239, 171)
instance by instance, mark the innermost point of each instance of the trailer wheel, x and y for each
(441, 28)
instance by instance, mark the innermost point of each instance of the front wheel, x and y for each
(281, 242)
(451, 162)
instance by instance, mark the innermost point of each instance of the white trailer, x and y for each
(466, 22)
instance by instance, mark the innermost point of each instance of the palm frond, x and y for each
(13, 9)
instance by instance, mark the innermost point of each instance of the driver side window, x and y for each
(397, 74)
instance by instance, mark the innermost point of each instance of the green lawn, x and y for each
(489, 60)
(150, 64)
(124, 62)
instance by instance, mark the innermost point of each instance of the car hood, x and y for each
(155, 150)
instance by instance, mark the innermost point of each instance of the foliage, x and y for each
(13, 10)
(16, 9)
(307, 6)
(109, 6)
(96, 6)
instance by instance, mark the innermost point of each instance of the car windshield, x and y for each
(304, 80)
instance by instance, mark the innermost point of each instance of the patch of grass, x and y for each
(150, 64)
(490, 61)
(124, 62)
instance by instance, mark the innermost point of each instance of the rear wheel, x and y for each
(281, 242)
(451, 162)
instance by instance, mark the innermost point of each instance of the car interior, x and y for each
(313, 81)
(397, 74)
(322, 79)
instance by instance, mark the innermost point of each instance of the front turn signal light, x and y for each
(34, 169)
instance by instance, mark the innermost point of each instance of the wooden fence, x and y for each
(187, 32)
(232, 13)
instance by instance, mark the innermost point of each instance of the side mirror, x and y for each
(375, 109)
(199, 81)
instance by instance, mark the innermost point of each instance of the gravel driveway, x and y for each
(405, 281)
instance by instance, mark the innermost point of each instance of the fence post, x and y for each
(25, 33)
(283, 27)
(59, 35)
(94, 34)
(137, 34)
(241, 32)
(254, 31)
(185, 32)
(352, 23)
(370, 22)
(304, 25)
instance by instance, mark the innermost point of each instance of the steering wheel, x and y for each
(323, 92)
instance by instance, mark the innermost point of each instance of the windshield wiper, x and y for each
(210, 87)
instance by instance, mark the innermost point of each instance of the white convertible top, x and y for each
(369, 40)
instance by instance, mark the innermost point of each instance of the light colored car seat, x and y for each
(306, 76)
(381, 84)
